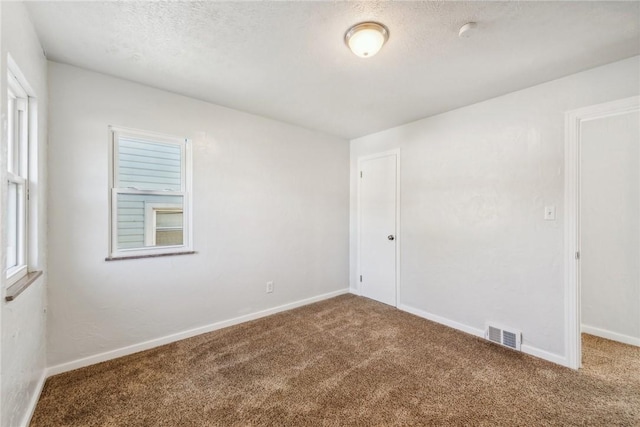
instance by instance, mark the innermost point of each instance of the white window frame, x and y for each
(20, 177)
(150, 219)
(185, 191)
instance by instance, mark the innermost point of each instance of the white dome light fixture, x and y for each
(366, 38)
(467, 30)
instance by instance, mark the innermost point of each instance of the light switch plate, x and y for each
(550, 213)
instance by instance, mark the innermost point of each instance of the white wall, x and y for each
(474, 184)
(23, 320)
(610, 227)
(271, 202)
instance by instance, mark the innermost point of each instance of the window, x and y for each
(149, 194)
(164, 224)
(17, 180)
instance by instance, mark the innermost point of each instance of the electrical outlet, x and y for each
(269, 287)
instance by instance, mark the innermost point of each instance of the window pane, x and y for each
(168, 219)
(137, 218)
(168, 227)
(13, 209)
(168, 237)
(149, 165)
(11, 139)
(16, 134)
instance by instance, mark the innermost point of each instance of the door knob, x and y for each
(391, 237)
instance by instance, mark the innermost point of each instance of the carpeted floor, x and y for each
(346, 361)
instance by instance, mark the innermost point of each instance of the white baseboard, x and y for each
(146, 345)
(354, 291)
(546, 355)
(442, 320)
(33, 402)
(614, 336)
(533, 351)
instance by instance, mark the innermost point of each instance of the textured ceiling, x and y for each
(288, 61)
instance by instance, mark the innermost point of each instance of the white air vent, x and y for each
(503, 336)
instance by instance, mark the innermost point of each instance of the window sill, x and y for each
(17, 288)
(121, 258)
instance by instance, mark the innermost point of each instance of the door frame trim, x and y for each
(572, 182)
(362, 159)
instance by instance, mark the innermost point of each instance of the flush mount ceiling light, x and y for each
(366, 38)
(467, 30)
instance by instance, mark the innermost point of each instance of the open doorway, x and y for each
(603, 231)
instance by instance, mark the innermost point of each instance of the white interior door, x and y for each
(378, 242)
(610, 226)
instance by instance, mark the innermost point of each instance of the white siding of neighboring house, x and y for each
(144, 165)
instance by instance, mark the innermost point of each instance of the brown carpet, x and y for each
(346, 361)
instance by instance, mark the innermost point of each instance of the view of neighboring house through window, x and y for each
(17, 180)
(150, 194)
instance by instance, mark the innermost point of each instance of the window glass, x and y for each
(13, 224)
(168, 219)
(17, 180)
(168, 227)
(149, 165)
(137, 218)
(11, 137)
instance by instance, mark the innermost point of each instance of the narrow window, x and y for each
(149, 194)
(17, 180)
